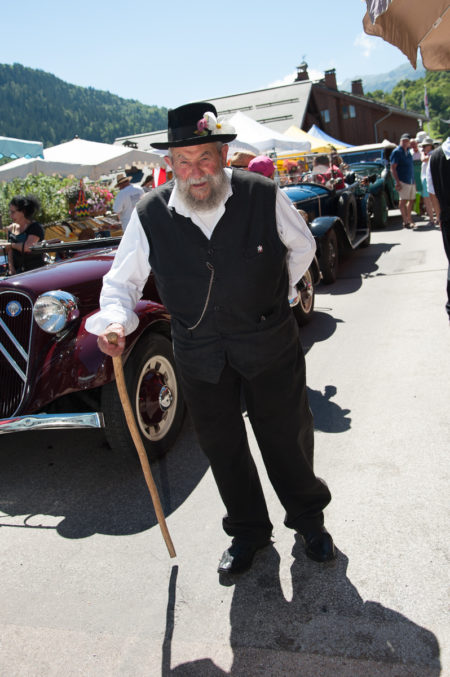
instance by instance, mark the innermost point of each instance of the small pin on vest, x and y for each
(259, 249)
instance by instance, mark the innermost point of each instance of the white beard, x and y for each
(218, 189)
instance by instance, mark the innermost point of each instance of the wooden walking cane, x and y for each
(112, 337)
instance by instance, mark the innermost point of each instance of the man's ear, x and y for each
(224, 153)
(168, 161)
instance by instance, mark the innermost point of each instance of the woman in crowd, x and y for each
(24, 232)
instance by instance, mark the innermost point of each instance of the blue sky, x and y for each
(168, 53)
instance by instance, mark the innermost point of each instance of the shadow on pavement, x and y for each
(325, 629)
(75, 484)
(355, 268)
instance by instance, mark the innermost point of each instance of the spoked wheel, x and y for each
(155, 397)
(305, 307)
(330, 257)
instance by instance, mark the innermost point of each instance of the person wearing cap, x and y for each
(227, 248)
(240, 159)
(402, 168)
(426, 150)
(438, 184)
(262, 164)
(126, 199)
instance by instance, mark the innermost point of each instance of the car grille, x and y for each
(16, 316)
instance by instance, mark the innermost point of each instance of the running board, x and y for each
(18, 424)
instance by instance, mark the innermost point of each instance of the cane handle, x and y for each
(112, 338)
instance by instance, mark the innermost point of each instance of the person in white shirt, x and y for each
(126, 199)
(226, 248)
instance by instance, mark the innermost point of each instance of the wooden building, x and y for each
(348, 116)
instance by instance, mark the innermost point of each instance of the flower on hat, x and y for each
(209, 124)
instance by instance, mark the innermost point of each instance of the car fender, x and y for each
(75, 363)
(322, 224)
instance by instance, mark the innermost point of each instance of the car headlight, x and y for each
(54, 309)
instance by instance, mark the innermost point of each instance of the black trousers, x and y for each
(279, 412)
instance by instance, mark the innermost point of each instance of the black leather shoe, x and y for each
(239, 556)
(319, 545)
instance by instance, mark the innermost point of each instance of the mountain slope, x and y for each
(386, 81)
(38, 105)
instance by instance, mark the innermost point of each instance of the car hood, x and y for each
(71, 275)
(304, 192)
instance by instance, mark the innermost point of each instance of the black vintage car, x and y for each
(380, 184)
(340, 220)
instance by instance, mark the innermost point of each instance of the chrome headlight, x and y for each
(54, 309)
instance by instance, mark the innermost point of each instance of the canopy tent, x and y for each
(80, 158)
(15, 148)
(263, 138)
(320, 134)
(413, 24)
(317, 145)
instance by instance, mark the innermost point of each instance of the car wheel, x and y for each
(330, 257)
(305, 307)
(380, 211)
(155, 397)
(348, 214)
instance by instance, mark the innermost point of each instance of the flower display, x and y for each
(97, 199)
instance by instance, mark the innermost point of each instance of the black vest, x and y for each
(440, 173)
(228, 296)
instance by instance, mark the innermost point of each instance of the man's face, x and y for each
(405, 143)
(198, 169)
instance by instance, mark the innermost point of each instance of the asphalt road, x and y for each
(89, 589)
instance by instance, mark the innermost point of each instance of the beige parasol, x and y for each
(410, 24)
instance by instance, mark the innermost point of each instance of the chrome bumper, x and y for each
(51, 421)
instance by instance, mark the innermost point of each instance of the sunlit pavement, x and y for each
(88, 587)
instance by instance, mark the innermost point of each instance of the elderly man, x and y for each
(402, 168)
(226, 248)
(126, 199)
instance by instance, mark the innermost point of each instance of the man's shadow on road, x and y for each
(327, 628)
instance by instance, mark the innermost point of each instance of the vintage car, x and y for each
(340, 220)
(380, 183)
(46, 354)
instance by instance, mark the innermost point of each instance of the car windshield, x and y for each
(365, 168)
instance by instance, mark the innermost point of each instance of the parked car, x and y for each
(46, 354)
(340, 220)
(380, 183)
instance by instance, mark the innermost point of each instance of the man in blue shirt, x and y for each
(402, 168)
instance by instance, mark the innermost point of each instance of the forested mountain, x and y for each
(386, 81)
(410, 94)
(39, 106)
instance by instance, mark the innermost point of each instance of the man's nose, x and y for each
(196, 172)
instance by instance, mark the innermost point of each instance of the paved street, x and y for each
(88, 588)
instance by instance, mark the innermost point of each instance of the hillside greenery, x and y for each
(39, 106)
(410, 93)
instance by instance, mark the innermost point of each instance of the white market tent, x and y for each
(262, 137)
(81, 159)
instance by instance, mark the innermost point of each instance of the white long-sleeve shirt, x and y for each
(446, 149)
(123, 284)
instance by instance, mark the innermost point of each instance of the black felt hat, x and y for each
(187, 126)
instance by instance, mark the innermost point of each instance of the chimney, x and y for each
(330, 79)
(302, 72)
(357, 87)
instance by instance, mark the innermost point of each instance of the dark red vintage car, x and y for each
(50, 363)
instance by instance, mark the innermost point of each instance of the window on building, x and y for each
(325, 114)
(345, 112)
(352, 111)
